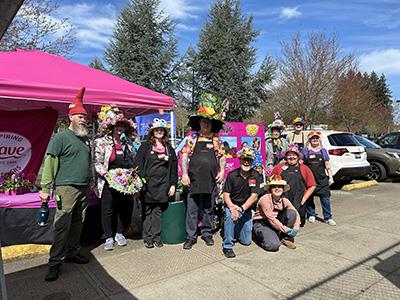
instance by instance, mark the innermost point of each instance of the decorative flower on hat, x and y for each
(110, 115)
(277, 123)
(293, 148)
(209, 106)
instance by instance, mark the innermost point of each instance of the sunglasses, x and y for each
(276, 187)
(298, 125)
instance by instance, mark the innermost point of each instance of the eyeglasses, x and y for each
(291, 157)
(298, 125)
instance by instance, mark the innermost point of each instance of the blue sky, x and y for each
(370, 30)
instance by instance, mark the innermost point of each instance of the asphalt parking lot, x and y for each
(357, 259)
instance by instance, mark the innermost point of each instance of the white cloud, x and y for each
(93, 23)
(183, 27)
(290, 12)
(179, 9)
(381, 61)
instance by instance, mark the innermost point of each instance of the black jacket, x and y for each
(142, 155)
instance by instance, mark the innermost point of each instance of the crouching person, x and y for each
(240, 193)
(276, 220)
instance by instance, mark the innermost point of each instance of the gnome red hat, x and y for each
(76, 107)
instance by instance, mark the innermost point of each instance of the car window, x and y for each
(390, 139)
(343, 139)
(366, 142)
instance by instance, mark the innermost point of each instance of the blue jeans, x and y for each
(240, 229)
(326, 207)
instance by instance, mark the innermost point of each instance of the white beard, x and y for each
(78, 129)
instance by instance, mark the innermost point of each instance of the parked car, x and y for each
(390, 140)
(347, 156)
(385, 162)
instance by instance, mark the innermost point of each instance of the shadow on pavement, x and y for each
(387, 267)
(75, 282)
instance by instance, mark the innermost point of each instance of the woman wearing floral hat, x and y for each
(116, 180)
(275, 143)
(298, 135)
(158, 166)
(317, 159)
(276, 220)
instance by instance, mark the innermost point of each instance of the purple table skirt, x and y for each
(32, 200)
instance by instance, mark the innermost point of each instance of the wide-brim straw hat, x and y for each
(277, 180)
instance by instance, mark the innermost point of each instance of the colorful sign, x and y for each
(144, 122)
(236, 137)
(24, 136)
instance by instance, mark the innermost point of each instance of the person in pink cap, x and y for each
(67, 170)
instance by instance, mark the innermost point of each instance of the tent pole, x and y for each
(2, 278)
(172, 129)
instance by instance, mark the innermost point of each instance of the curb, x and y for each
(359, 185)
(23, 251)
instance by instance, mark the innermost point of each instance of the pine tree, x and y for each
(225, 59)
(143, 48)
(97, 64)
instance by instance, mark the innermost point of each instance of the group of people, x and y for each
(268, 213)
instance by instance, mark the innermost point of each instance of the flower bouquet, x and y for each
(125, 181)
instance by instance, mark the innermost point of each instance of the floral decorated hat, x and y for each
(277, 180)
(277, 123)
(210, 107)
(248, 153)
(293, 148)
(110, 115)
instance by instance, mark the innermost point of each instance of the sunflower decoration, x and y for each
(109, 115)
(210, 107)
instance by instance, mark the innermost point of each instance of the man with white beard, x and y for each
(240, 192)
(67, 170)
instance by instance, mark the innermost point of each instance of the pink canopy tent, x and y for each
(34, 79)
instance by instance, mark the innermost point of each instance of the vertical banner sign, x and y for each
(144, 122)
(24, 136)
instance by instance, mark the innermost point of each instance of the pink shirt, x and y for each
(267, 209)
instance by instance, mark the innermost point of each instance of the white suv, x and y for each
(348, 158)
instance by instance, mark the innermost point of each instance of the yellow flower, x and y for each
(102, 115)
(210, 111)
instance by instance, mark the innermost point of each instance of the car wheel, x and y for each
(377, 171)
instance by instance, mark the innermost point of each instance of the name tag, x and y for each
(312, 156)
(210, 146)
(252, 182)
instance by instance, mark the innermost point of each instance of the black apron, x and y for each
(203, 168)
(157, 179)
(276, 150)
(121, 161)
(317, 165)
(293, 177)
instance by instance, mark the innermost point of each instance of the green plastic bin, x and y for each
(173, 223)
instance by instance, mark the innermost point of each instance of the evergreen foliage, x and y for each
(143, 47)
(225, 58)
(97, 64)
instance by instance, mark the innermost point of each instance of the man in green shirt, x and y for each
(67, 169)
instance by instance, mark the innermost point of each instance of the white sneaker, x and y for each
(120, 239)
(331, 222)
(109, 244)
(311, 219)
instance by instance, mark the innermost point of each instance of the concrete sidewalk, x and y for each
(358, 259)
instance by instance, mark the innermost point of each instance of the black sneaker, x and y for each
(208, 240)
(188, 244)
(52, 274)
(228, 253)
(149, 245)
(77, 259)
(158, 244)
